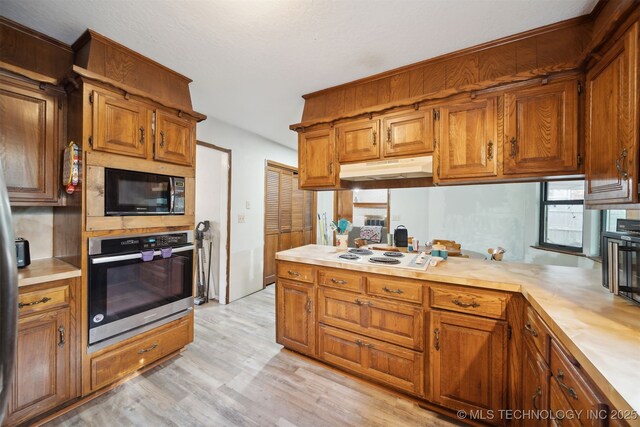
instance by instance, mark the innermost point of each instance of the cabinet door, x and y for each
(612, 125)
(535, 385)
(408, 133)
(541, 129)
(28, 141)
(316, 159)
(358, 141)
(270, 249)
(468, 135)
(296, 320)
(41, 375)
(120, 126)
(468, 362)
(175, 139)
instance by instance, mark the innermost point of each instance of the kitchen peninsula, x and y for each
(462, 334)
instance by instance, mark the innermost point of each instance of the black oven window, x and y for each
(144, 284)
(562, 215)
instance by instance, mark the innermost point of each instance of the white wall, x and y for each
(249, 155)
(324, 206)
(410, 207)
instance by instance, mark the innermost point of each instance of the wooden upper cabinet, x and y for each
(468, 140)
(29, 136)
(317, 159)
(120, 126)
(174, 139)
(358, 141)
(541, 129)
(468, 362)
(408, 133)
(612, 124)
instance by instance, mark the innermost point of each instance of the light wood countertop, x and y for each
(602, 331)
(46, 270)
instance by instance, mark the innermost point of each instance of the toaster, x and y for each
(23, 255)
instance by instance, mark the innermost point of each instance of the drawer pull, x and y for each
(29, 304)
(308, 305)
(472, 304)
(61, 332)
(532, 331)
(436, 333)
(146, 350)
(393, 291)
(293, 273)
(361, 343)
(570, 390)
(338, 282)
(534, 398)
(360, 302)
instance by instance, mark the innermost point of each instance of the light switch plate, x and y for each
(395, 217)
(240, 218)
(248, 204)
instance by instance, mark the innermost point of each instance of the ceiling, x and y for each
(251, 60)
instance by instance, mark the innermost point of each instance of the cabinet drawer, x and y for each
(573, 384)
(394, 322)
(341, 279)
(386, 363)
(119, 362)
(55, 295)
(481, 303)
(536, 332)
(294, 271)
(403, 290)
(559, 406)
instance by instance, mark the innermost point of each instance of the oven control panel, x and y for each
(142, 243)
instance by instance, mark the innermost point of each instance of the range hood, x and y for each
(416, 167)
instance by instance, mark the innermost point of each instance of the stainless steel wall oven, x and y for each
(621, 260)
(137, 283)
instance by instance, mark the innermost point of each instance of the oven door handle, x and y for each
(115, 258)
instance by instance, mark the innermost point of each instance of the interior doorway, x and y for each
(213, 203)
(289, 215)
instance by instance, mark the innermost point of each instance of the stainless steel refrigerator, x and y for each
(8, 298)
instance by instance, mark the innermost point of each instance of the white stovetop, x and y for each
(408, 261)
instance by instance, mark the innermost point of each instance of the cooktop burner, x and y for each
(349, 256)
(383, 260)
(360, 251)
(394, 254)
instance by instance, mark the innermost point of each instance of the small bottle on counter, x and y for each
(410, 244)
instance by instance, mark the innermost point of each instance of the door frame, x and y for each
(228, 245)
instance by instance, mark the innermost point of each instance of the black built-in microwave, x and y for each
(140, 193)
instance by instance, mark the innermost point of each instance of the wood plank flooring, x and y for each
(235, 374)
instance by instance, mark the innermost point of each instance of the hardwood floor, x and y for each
(235, 374)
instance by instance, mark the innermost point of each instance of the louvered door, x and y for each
(271, 223)
(285, 209)
(309, 214)
(297, 215)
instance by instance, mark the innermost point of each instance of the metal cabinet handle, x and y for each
(472, 304)
(308, 305)
(361, 343)
(61, 333)
(330, 166)
(374, 137)
(532, 331)
(338, 282)
(393, 291)
(146, 350)
(570, 390)
(161, 138)
(141, 135)
(490, 150)
(29, 304)
(534, 398)
(436, 344)
(360, 302)
(623, 172)
(293, 273)
(514, 147)
(389, 136)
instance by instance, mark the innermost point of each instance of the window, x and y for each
(562, 215)
(610, 218)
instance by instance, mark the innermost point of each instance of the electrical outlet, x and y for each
(248, 204)
(395, 217)
(240, 218)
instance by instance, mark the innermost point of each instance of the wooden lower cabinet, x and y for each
(110, 365)
(468, 363)
(295, 316)
(44, 372)
(535, 387)
(390, 364)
